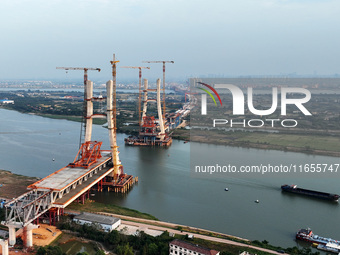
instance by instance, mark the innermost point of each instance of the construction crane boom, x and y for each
(140, 89)
(164, 61)
(158, 62)
(85, 69)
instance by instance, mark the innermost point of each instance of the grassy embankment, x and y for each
(306, 143)
(13, 185)
(91, 206)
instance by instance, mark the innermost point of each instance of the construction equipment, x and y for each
(140, 89)
(85, 69)
(112, 125)
(171, 62)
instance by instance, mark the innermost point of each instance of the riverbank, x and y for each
(13, 185)
(207, 238)
(326, 145)
(95, 207)
(72, 118)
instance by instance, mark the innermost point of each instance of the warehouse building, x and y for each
(107, 223)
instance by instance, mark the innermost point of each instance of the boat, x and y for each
(257, 201)
(226, 189)
(312, 193)
(329, 247)
(307, 235)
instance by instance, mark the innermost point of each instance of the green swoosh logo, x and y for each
(209, 95)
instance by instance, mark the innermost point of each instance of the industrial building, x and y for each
(107, 223)
(179, 247)
(6, 101)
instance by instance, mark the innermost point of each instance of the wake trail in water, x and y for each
(248, 183)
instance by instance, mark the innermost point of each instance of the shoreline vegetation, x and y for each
(315, 144)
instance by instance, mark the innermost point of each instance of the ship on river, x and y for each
(312, 193)
(307, 235)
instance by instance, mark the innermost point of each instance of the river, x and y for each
(167, 189)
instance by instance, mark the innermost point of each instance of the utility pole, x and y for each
(140, 90)
(171, 62)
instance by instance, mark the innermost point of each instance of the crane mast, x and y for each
(140, 90)
(171, 62)
(85, 69)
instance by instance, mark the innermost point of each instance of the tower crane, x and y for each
(171, 62)
(85, 69)
(140, 88)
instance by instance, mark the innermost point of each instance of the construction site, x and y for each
(152, 131)
(92, 169)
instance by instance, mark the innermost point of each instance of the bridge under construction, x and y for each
(152, 131)
(92, 168)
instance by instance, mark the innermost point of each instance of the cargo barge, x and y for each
(311, 193)
(307, 235)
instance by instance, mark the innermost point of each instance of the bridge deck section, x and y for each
(68, 176)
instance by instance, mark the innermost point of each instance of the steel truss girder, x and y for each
(32, 204)
(29, 206)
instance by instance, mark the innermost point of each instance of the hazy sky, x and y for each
(222, 37)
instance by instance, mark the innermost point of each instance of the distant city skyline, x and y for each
(206, 39)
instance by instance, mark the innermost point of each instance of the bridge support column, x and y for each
(4, 245)
(12, 236)
(28, 236)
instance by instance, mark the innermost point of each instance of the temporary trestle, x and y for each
(122, 185)
(51, 217)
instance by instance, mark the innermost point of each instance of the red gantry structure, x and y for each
(92, 168)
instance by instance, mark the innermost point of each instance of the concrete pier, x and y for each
(4, 246)
(28, 235)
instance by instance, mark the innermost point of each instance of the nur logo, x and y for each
(204, 97)
(239, 99)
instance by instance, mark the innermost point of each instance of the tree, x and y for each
(113, 237)
(50, 250)
(153, 249)
(124, 250)
(100, 252)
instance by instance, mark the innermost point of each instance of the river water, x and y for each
(167, 189)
